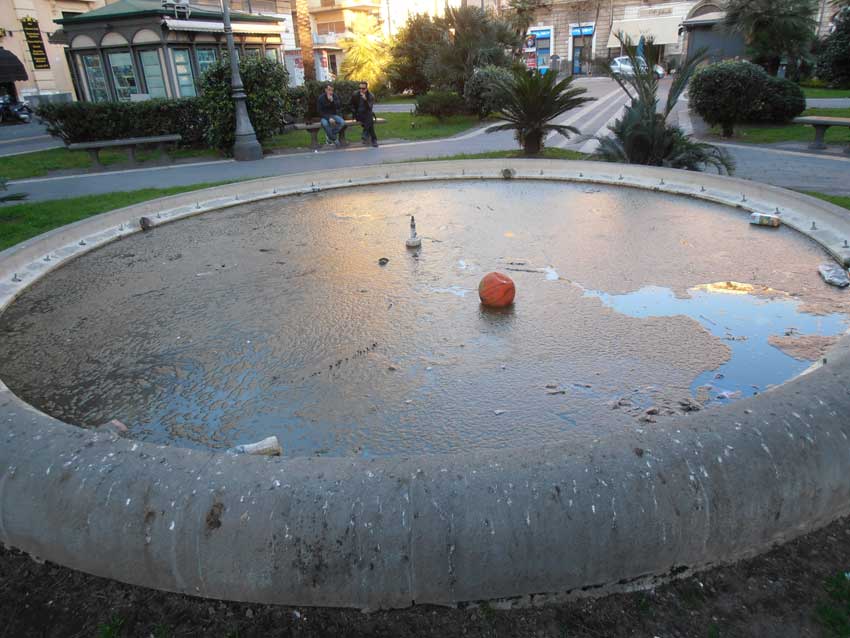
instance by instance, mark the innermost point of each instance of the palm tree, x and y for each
(367, 55)
(642, 135)
(773, 28)
(305, 38)
(473, 38)
(532, 100)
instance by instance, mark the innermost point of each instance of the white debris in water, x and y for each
(457, 291)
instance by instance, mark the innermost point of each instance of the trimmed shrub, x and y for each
(483, 93)
(439, 104)
(728, 93)
(265, 84)
(834, 53)
(297, 102)
(783, 100)
(92, 122)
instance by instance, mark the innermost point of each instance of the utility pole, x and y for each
(245, 147)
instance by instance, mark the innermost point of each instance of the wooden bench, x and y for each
(314, 128)
(821, 124)
(129, 143)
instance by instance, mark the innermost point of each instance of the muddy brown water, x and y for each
(276, 318)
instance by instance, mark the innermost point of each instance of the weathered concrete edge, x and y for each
(444, 529)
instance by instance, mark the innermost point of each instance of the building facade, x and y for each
(135, 49)
(581, 34)
(330, 21)
(27, 28)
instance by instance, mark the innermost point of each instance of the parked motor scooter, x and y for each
(14, 111)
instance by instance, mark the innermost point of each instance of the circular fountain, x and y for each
(628, 419)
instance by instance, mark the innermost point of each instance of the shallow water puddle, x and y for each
(745, 322)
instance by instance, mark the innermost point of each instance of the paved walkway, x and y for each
(394, 108)
(801, 171)
(828, 103)
(16, 139)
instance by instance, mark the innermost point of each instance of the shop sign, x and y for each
(32, 34)
(530, 43)
(540, 34)
(580, 31)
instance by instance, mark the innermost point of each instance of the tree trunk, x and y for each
(532, 143)
(305, 38)
(728, 129)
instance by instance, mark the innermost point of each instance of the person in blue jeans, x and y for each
(330, 110)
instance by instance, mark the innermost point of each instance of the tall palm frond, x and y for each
(773, 28)
(367, 54)
(532, 101)
(643, 135)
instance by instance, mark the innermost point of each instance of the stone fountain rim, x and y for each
(675, 488)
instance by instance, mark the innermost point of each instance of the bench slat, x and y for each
(317, 125)
(130, 141)
(823, 121)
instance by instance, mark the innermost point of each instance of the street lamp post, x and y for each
(246, 146)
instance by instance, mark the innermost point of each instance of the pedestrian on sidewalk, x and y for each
(363, 103)
(330, 110)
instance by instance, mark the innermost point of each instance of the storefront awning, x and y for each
(662, 30)
(714, 17)
(58, 37)
(206, 26)
(11, 68)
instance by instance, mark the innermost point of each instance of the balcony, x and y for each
(327, 38)
(319, 6)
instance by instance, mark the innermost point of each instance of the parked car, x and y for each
(623, 66)
(14, 111)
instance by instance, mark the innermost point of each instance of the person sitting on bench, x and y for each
(330, 110)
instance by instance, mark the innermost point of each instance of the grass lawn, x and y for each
(19, 222)
(838, 200)
(399, 126)
(548, 153)
(40, 163)
(825, 93)
(769, 134)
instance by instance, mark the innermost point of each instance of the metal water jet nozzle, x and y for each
(414, 241)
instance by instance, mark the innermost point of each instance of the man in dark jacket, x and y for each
(330, 110)
(362, 103)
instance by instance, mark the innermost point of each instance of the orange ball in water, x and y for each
(496, 290)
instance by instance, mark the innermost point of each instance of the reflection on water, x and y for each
(744, 321)
(275, 319)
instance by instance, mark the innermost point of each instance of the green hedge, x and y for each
(482, 92)
(783, 100)
(92, 122)
(834, 54)
(265, 83)
(440, 104)
(730, 93)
